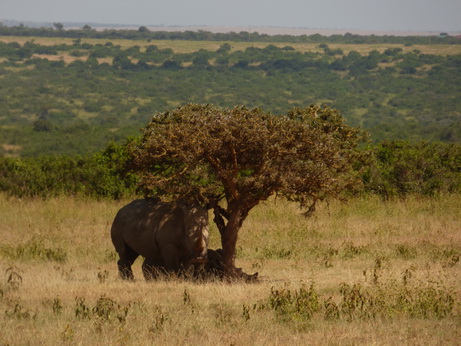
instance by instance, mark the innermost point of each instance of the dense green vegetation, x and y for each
(63, 100)
(101, 175)
(394, 169)
(73, 98)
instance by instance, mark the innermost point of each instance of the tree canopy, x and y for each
(238, 157)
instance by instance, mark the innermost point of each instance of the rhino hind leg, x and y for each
(127, 258)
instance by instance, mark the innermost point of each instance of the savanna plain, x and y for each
(363, 272)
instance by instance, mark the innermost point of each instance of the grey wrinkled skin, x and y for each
(171, 236)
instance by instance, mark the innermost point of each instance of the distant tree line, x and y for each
(143, 33)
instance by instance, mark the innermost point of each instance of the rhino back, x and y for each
(138, 223)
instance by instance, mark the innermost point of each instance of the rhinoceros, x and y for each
(170, 235)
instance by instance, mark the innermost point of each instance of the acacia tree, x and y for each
(235, 158)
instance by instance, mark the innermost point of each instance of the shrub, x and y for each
(400, 168)
(100, 175)
(381, 300)
(293, 305)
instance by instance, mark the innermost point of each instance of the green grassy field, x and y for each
(365, 272)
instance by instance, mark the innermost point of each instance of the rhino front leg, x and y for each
(151, 269)
(171, 258)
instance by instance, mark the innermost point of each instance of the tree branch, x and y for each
(219, 212)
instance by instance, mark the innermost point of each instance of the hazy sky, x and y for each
(382, 15)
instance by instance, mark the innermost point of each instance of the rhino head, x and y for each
(196, 232)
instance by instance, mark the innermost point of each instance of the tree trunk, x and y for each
(229, 234)
(229, 243)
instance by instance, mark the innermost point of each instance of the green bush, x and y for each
(400, 168)
(100, 175)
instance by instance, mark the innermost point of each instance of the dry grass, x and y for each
(59, 283)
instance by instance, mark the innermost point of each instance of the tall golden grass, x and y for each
(364, 272)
